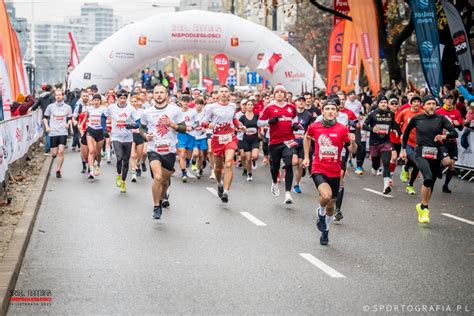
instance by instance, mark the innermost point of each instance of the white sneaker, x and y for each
(134, 176)
(288, 199)
(212, 176)
(249, 178)
(379, 172)
(387, 185)
(373, 171)
(275, 190)
(254, 165)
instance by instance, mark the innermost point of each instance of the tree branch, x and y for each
(329, 10)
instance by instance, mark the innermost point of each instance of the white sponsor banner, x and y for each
(466, 156)
(16, 137)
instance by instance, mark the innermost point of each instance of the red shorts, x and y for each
(219, 149)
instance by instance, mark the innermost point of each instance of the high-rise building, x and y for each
(100, 20)
(206, 5)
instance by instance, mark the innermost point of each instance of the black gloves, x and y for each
(106, 134)
(273, 120)
(130, 126)
(295, 126)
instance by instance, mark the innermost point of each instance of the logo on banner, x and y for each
(260, 56)
(234, 41)
(87, 76)
(460, 43)
(291, 74)
(427, 49)
(422, 4)
(366, 42)
(121, 55)
(142, 40)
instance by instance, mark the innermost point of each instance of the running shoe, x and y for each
(165, 202)
(84, 169)
(90, 173)
(275, 190)
(198, 175)
(220, 190)
(123, 187)
(288, 198)
(324, 240)
(254, 164)
(446, 189)
(143, 167)
(379, 172)
(134, 177)
(249, 177)
(118, 180)
(224, 198)
(410, 190)
(321, 222)
(184, 178)
(213, 175)
(97, 171)
(297, 189)
(194, 167)
(58, 174)
(359, 171)
(350, 163)
(138, 171)
(109, 161)
(404, 175)
(338, 216)
(387, 186)
(423, 214)
(244, 173)
(374, 172)
(157, 212)
(87, 173)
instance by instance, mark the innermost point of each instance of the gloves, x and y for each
(130, 126)
(295, 126)
(273, 120)
(106, 134)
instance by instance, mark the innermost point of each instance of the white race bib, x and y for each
(224, 139)
(251, 131)
(299, 133)
(429, 152)
(328, 153)
(162, 145)
(384, 128)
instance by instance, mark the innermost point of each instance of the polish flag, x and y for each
(183, 67)
(74, 57)
(269, 61)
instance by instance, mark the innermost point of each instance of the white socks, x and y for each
(322, 210)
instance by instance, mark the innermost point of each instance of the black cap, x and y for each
(299, 97)
(427, 98)
(381, 98)
(415, 97)
(335, 99)
(122, 93)
(94, 87)
(97, 96)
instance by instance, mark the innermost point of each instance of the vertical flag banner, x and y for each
(24, 89)
(222, 65)
(460, 40)
(365, 25)
(209, 84)
(74, 55)
(8, 51)
(183, 69)
(335, 58)
(5, 86)
(426, 28)
(340, 6)
(350, 58)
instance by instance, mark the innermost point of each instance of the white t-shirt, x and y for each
(199, 132)
(190, 119)
(355, 106)
(58, 114)
(95, 117)
(121, 116)
(164, 137)
(222, 117)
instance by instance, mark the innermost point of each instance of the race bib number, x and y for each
(120, 124)
(59, 117)
(199, 130)
(299, 133)
(328, 153)
(251, 131)
(290, 143)
(429, 152)
(162, 145)
(224, 139)
(384, 128)
(94, 121)
(472, 124)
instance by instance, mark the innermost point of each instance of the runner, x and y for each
(199, 133)
(450, 146)
(304, 119)
(138, 140)
(96, 129)
(279, 115)
(224, 142)
(78, 119)
(428, 153)
(402, 119)
(395, 137)
(111, 99)
(250, 142)
(186, 140)
(124, 118)
(159, 128)
(379, 123)
(329, 139)
(57, 120)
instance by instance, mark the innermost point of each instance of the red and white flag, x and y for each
(74, 57)
(194, 65)
(183, 69)
(269, 60)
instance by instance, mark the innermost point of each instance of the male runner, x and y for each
(304, 119)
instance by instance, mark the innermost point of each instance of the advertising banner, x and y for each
(335, 58)
(350, 58)
(222, 65)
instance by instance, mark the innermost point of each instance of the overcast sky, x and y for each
(55, 10)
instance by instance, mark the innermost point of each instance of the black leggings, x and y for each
(265, 146)
(122, 152)
(386, 157)
(278, 152)
(414, 173)
(360, 154)
(430, 169)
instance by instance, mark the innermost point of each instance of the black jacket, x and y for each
(43, 101)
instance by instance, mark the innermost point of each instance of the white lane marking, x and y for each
(213, 191)
(379, 193)
(458, 218)
(253, 219)
(322, 266)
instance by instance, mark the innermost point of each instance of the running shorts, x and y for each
(320, 178)
(450, 149)
(96, 134)
(375, 150)
(186, 141)
(201, 144)
(138, 139)
(167, 160)
(58, 140)
(219, 149)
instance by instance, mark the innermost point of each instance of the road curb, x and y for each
(10, 267)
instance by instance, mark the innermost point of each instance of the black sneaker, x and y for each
(220, 191)
(324, 240)
(138, 172)
(58, 174)
(244, 173)
(84, 169)
(338, 216)
(143, 167)
(157, 212)
(224, 198)
(446, 189)
(166, 203)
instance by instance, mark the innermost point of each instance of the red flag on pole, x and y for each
(222, 65)
(74, 57)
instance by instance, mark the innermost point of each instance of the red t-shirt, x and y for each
(328, 144)
(403, 107)
(453, 115)
(258, 108)
(350, 114)
(191, 105)
(281, 131)
(403, 118)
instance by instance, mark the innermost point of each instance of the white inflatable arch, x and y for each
(194, 31)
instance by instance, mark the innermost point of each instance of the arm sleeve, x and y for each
(103, 121)
(263, 119)
(406, 134)
(450, 128)
(469, 97)
(368, 123)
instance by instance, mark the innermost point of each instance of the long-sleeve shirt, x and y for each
(385, 120)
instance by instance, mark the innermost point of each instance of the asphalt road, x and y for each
(100, 252)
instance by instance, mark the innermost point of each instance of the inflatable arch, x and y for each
(192, 31)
